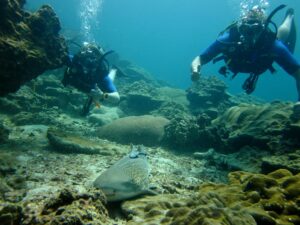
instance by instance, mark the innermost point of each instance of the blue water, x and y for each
(163, 36)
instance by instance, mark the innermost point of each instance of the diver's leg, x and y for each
(296, 75)
(287, 30)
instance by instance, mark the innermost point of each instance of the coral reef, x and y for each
(66, 207)
(4, 132)
(208, 93)
(242, 160)
(247, 199)
(186, 131)
(272, 127)
(44, 101)
(29, 44)
(290, 161)
(147, 130)
(40, 123)
(267, 126)
(140, 98)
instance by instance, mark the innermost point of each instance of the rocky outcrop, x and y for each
(190, 132)
(208, 93)
(29, 44)
(290, 161)
(46, 97)
(271, 127)
(141, 97)
(68, 206)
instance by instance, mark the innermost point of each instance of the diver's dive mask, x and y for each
(251, 28)
(90, 56)
(252, 25)
(250, 31)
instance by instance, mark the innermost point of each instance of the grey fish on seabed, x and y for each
(127, 178)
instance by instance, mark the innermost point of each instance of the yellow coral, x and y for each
(247, 199)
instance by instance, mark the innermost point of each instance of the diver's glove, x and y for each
(97, 94)
(195, 69)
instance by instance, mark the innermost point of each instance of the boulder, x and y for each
(30, 44)
(147, 130)
(290, 161)
(208, 93)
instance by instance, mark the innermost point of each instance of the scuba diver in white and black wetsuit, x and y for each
(251, 46)
(89, 72)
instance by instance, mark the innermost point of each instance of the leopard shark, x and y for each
(127, 178)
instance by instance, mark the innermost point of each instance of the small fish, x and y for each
(97, 103)
(127, 178)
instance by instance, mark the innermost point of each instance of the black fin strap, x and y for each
(250, 83)
(273, 13)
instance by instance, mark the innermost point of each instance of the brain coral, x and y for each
(247, 199)
(147, 130)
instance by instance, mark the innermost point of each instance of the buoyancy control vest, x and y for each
(241, 58)
(85, 70)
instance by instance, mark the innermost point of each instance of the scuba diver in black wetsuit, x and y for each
(89, 72)
(251, 46)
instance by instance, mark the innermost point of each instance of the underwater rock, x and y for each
(71, 143)
(289, 161)
(208, 93)
(104, 115)
(43, 94)
(146, 130)
(8, 163)
(209, 154)
(265, 126)
(247, 199)
(143, 98)
(29, 44)
(140, 99)
(186, 131)
(68, 207)
(246, 159)
(4, 133)
(10, 214)
(130, 73)
(296, 112)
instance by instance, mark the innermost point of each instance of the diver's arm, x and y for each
(100, 96)
(206, 56)
(109, 93)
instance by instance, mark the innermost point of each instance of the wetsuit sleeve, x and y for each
(284, 58)
(106, 85)
(214, 49)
